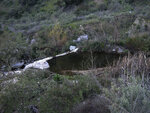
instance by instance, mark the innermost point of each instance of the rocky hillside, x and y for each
(35, 29)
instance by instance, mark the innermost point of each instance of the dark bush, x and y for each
(28, 2)
(72, 2)
(138, 43)
(132, 1)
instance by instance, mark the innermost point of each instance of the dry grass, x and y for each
(132, 65)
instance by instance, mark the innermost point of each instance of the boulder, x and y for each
(118, 49)
(115, 49)
(32, 41)
(81, 38)
(19, 65)
(72, 48)
(41, 64)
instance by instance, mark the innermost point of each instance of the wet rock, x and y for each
(19, 65)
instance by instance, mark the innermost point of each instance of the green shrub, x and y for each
(28, 2)
(13, 48)
(138, 43)
(71, 2)
(62, 97)
(57, 35)
(129, 97)
(17, 97)
(94, 46)
(89, 7)
(50, 93)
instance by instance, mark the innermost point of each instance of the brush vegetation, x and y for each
(35, 29)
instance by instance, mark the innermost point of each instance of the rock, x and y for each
(32, 41)
(1, 74)
(81, 38)
(72, 48)
(41, 64)
(117, 49)
(34, 109)
(3, 68)
(13, 81)
(19, 65)
(130, 12)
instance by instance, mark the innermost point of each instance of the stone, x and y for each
(1, 74)
(33, 41)
(19, 65)
(34, 109)
(82, 38)
(118, 49)
(72, 48)
(3, 68)
(41, 64)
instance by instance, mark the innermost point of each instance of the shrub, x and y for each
(129, 97)
(57, 35)
(138, 43)
(94, 46)
(12, 49)
(17, 97)
(62, 97)
(132, 1)
(28, 2)
(50, 93)
(72, 2)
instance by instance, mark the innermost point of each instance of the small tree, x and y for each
(58, 35)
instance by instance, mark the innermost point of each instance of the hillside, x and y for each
(113, 37)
